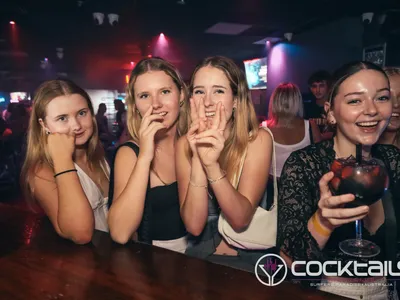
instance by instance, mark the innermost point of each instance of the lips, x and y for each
(78, 135)
(395, 115)
(369, 124)
(162, 114)
(210, 114)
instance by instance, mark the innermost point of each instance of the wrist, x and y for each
(144, 159)
(321, 224)
(213, 170)
(62, 164)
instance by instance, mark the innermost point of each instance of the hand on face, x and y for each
(60, 145)
(199, 123)
(150, 125)
(210, 142)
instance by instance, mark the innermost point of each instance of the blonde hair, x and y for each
(390, 72)
(36, 151)
(154, 64)
(244, 119)
(285, 103)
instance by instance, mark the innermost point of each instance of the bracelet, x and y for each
(211, 181)
(66, 171)
(319, 228)
(196, 185)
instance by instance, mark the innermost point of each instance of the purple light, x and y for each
(46, 59)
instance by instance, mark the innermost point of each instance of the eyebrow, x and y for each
(66, 115)
(360, 93)
(214, 86)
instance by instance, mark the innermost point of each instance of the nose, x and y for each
(207, 100)
(396, 102)
(370, 107)
(75, 125)
(156, 103)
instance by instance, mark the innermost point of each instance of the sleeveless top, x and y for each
(283, 151)
(97, 201)
(161, 219)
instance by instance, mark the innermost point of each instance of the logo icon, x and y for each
(270, 270)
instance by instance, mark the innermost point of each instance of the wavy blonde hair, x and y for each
(244, 119)
(154, 64)
(36, 151)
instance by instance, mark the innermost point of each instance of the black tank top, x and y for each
(161, 216)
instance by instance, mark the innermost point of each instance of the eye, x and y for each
(353, 101)
(165, 92)
(198, 92)
(62, 119)
(83, 113)
(383, 98)
(219, 91)
(144, 96)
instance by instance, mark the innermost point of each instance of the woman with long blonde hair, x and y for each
(65, 171)
(391, 135)
(223, 133)
(143, 187)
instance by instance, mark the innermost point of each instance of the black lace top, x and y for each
(299, 195)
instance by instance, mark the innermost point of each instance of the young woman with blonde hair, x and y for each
(65, 170)
(224, 132)
(143, 188)
(392, 133)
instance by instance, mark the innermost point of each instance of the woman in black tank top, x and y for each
(143, 189)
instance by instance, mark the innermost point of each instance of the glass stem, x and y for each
(358, 232)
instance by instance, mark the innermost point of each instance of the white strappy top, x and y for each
(97, 201)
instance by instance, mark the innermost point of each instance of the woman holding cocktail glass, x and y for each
(317, 212)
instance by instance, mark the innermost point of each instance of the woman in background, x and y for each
(143, 188)
(391, 135)
(65, 170)
(291, 132)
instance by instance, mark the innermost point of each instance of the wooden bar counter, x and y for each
(37, 264)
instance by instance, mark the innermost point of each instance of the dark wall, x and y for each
(326, 47)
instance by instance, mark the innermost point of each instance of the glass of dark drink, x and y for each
(368, 181)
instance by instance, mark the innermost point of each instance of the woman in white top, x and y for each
(65, 170)
(285, 120)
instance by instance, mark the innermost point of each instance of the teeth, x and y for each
(162, 114)
(210, 114)
(367, 124)
(395, 115)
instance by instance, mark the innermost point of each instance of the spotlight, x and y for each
(113, 19)
(12, 22)
(98, 18)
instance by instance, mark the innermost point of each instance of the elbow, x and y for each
(82, 239)
(119, 237)
(195, 231)
(239, 225)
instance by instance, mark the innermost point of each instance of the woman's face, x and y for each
(362, 107)
(213, 86)
(157, 89)
(394, 123)
(70, 115)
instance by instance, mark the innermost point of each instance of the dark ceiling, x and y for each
(100, 56)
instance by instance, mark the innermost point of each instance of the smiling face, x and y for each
(70, 115)
(362, 107)
(394, 123)
(213, 86)
(157, 89)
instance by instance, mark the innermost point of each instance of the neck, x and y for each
(80, 155)
(344, 148)
(388, 137)
(167, 139)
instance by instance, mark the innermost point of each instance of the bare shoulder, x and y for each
(263, 140)
(126, 153)
(43, 173)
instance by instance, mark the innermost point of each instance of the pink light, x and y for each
(46, 59)
(149, 56)
(12, 22)
(162, 35)
(132, 63)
